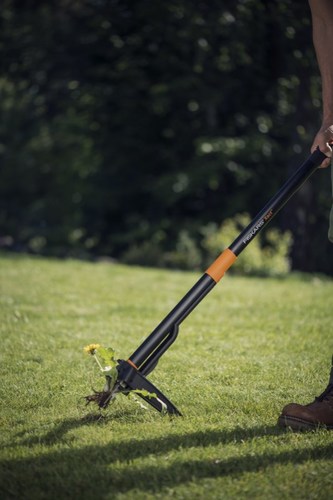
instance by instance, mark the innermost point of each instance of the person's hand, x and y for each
(324, 140)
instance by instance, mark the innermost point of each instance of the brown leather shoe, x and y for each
(310, 416)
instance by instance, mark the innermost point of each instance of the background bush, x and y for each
(126, 122)
(267, 255)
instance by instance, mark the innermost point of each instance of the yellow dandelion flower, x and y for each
(91, 348)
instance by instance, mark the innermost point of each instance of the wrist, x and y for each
(327, 124)
(327, 120)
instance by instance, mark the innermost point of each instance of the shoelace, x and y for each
(327, 395)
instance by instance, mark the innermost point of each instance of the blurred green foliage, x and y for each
(125, 123)
(268, 254)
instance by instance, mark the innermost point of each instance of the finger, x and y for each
(326, 163)
(325, 148)
(328, 139)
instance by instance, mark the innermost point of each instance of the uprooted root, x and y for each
(101, 398)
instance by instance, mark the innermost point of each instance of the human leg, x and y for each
(319, 413)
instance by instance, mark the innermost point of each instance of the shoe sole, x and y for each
(297, 424)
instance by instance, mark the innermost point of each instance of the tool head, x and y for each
(129, 380)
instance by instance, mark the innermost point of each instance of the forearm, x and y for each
(322, 22)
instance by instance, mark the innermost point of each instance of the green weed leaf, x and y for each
(107, 356)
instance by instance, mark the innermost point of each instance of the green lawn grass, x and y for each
(252, 346)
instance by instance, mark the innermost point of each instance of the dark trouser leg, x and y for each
(330, 230)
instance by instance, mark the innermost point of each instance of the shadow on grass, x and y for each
(102, 470)
(59, 432)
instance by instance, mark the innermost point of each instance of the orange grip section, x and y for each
(130, 362)
(221, 265)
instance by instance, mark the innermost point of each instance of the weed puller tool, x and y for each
(132, 373)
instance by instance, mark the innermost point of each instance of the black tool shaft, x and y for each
(174, 318)
(277, 202)
(148, 353)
